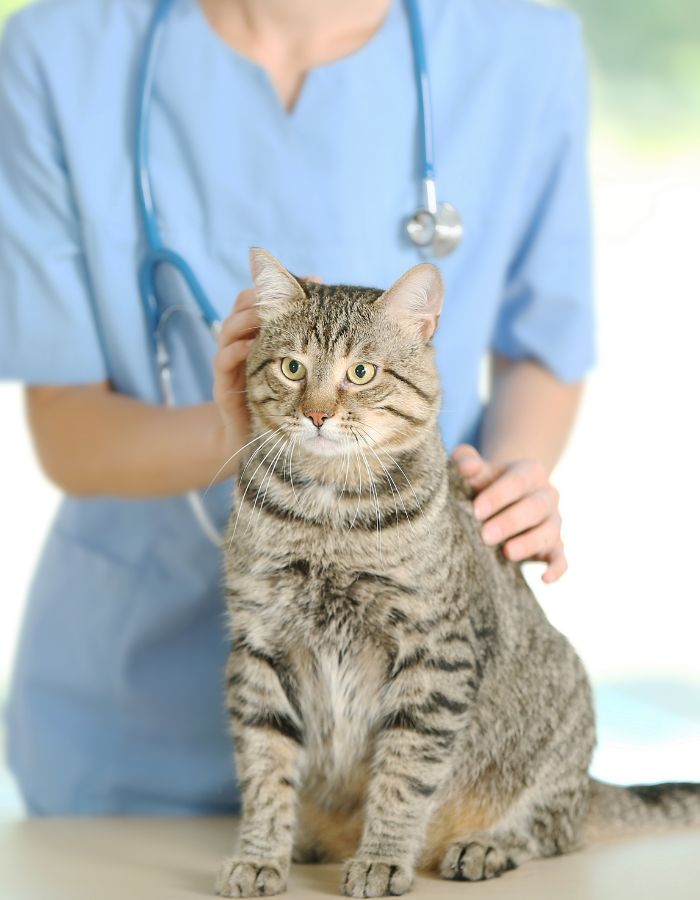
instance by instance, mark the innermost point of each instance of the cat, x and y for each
(397, 697)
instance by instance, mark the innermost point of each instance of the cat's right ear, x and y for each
(275, 287)
(415, 300)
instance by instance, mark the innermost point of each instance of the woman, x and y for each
(289, 124)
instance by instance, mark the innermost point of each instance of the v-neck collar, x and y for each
(313, 75)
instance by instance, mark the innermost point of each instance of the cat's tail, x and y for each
(641, 807)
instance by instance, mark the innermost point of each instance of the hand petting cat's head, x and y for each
(338, 366)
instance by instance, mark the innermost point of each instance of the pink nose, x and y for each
(318, 418)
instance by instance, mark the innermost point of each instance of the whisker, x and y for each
(268, 475)
(375, 498)
(359, 494)
(393, 487)
(346, 443)
(408, 480)
(399, 467)
(291, 459)
(233, 455)
(401, 431)
(258, 449)
(285, 461)
(250, 481)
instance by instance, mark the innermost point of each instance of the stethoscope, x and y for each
(435, 228)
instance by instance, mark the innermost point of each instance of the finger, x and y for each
(556, 568)
(538, 542)
(513, 483)
(239, 323)
(487, 474)
(245, 299)
(229, 358)
(474, 467)
(465, 451)
(468, 459)
(315, 278)
(523, 515)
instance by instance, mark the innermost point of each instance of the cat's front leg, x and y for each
(413, 760)
(268, 744)
(410, 767)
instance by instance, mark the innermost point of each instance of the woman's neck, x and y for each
(289, 37)
(299, 17)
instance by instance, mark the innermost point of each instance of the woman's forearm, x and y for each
(91, 441)
(530, 414)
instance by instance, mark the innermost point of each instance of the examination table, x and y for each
(160, 859)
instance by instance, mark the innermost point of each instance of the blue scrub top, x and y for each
(116, 702)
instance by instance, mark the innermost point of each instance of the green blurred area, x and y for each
(645, 58)
(8, 6)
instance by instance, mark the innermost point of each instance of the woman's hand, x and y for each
(237, 334)
(519, 508)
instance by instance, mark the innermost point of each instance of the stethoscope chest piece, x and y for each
(439, 232)
(435, 228)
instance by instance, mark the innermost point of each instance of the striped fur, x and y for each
(397, 696)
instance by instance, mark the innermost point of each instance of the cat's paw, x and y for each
(250, 878)
(376, 878)
(474, 861)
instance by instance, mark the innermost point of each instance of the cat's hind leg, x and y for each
(548, 827)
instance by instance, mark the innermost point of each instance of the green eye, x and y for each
(361, 373)
(293, 369)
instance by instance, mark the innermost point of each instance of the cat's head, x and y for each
(339, 366)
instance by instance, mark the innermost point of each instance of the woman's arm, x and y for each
(91, 440)
(524, 432)
(530, 415)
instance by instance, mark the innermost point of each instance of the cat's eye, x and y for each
(361, 373)
(293, 369)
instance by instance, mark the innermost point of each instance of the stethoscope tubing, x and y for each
(145, 79)
(425, 106)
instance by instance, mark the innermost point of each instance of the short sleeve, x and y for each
(547, 311)
(47, 324)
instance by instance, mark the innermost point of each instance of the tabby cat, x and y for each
(397, 697)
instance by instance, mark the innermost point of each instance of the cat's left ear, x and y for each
(416, 299)
(275, 287)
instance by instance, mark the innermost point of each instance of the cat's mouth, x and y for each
(322, 442)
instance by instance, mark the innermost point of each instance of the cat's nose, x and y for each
(317, 417)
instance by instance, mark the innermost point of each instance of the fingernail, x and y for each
(491, 534)
(482, 510)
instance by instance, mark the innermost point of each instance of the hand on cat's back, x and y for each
(519, 508)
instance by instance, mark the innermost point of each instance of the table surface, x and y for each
(177, 858)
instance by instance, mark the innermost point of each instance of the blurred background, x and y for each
(630, 481)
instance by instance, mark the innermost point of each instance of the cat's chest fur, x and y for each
(341, 701)
(331, 626)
